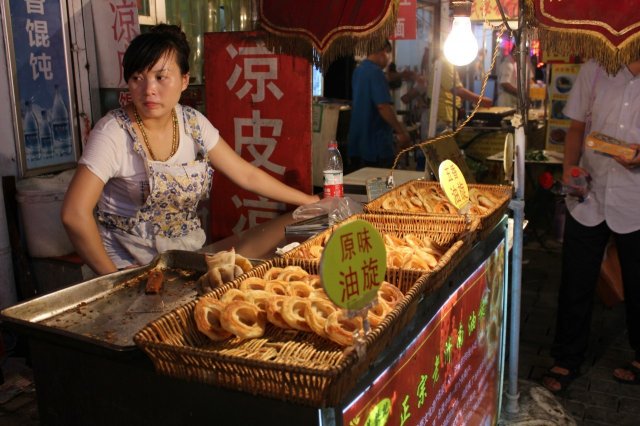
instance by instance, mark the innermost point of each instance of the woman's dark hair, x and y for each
(146, 49)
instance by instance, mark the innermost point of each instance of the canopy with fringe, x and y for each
(607, 31)
(323, 31)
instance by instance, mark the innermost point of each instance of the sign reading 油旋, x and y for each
(450, 373)
(353, 265)
(42, 91)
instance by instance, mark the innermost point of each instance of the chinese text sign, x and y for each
(450, 373)
(43, 102)
(261, 104)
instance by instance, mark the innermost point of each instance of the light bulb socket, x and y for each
(461, 8)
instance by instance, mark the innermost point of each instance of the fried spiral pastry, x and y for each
(243, 319)
(260, 298)
(207, 315)
(232, 295)
(389, 294)
(292, 273)
(280, 288)
(294, 313)
(317, 313)
(300, 289)
(342, 329)
(376, 314)
(253, 283)
(274, 311)
(272, 273)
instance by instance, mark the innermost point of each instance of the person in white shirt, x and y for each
(508, 82)
(609, 104)
(147, 165)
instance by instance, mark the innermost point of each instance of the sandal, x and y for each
(563, 380)
(629, 368)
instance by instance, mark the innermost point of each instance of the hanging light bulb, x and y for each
(461, 46)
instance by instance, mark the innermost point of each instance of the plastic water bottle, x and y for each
(579, 183)
(31, 134)
(60, 125)
(333, 172)
(46, 137)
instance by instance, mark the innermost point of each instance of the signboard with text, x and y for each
(353, 265)
(451, 372)
(261, 103)
(37, 45)
(562, 78)
(406, 22)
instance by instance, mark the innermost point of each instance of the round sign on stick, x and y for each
(508, 156)
(454, 185)
(353, 264)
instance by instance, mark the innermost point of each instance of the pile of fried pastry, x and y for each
(286, 297)
(409, 251)
(432, 199)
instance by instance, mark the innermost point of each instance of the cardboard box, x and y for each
(608, 145)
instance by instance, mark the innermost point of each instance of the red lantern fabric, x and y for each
(323, 31)
(606, 31)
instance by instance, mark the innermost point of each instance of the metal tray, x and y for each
(94, 313)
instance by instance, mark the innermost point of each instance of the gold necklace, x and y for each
(174, 142)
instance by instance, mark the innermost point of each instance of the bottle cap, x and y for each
(333, 144)
(575, 172)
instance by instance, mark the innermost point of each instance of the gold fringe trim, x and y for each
(584, 43)
(345, 44)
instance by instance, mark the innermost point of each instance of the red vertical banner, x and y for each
(451, 373)
(406, 23)
(261, 104)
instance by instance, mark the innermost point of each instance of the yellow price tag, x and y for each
(353, 264)
(454, 185)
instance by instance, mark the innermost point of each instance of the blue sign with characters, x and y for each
(41, 70)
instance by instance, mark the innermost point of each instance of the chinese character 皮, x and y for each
(255, 138)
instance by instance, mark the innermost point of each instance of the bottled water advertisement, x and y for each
(42, 93)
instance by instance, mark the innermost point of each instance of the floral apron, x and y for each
(168, 219)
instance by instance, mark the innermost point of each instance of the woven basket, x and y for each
(487, 220)
(451, 232)
(283, 364)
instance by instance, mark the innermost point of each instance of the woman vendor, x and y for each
(146, 166)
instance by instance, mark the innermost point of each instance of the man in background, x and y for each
(373, 118)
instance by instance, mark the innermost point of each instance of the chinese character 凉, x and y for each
(257, 67)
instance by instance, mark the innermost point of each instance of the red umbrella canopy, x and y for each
(607, 31)
(325, 30)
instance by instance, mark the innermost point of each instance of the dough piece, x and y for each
(244, 263)
(232, 295)
(389, 294)
(260, 298)
(253, 283)
(243, 319)
(317, 314)
(300, 289)
(341, 329)
(292, 273)
(207, 314)
(277, 287)
(294, 313)
(274, 311)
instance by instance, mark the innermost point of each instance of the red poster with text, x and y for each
(450, 374)
(406, 22)
(261, 104)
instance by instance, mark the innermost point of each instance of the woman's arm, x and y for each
(253, 179)
(77, 217)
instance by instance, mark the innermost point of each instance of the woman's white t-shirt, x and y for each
(110, 155)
